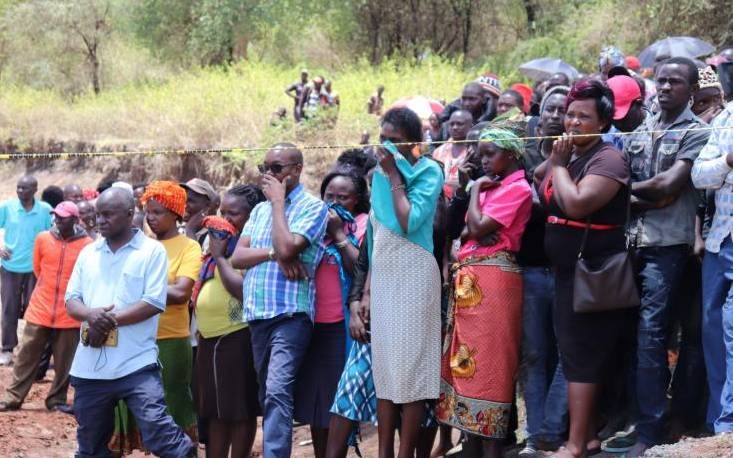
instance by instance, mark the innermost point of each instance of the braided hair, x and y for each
(249, 193)
(360, 188)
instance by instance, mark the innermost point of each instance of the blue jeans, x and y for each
(717, 334)
(545, 388)
(142, 391)
(659, 276)
(279, 346)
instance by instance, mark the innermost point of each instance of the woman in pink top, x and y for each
(481, 348)
(347, 195)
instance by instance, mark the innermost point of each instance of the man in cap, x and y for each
(707, 102)
(23, 219)
(47, 322)
(628, 111)
(201, 201)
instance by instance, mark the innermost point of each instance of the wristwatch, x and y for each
(271, 254)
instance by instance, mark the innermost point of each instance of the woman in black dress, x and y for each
(584, 179)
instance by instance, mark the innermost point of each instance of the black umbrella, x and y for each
(675, 47)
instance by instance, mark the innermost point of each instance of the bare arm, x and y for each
(138, 312)
(179, 292)
(581, 200)
(668, 183)
(245, 257)
(231, 279)
(478, 224)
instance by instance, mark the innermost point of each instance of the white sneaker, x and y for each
(6, 358)
(529, 451)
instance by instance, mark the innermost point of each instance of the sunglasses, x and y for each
(217, 234)
(274, 168)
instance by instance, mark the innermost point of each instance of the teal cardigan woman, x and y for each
(405, 282)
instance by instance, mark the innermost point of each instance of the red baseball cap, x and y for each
(66, 209)
(625, 91)
(632, 63)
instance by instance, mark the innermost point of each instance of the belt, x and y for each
(580, 224)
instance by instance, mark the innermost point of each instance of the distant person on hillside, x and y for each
(333, 102)
(73, 193)
(22, 219)
(312, 99)
(376, 102)
(295, 91)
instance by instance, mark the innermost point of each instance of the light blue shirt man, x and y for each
(138, 271)
(21, 228)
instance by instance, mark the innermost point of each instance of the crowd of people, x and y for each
(569, 243)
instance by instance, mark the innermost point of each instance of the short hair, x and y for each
(518, 98)
(249, 193)
(292, 150)
(360, 187)
(593, 89)
(406, 121)
(52, 195)
(463, 112)
(693, 77)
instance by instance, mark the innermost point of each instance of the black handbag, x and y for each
(605, 284)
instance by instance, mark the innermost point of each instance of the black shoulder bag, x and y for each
(606, 284)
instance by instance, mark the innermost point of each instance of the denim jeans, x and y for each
(545, 388)
(688, 399)
(717, 334)
(279, 346)
(659, 276)
(142, 391)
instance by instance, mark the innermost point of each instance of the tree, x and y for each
(53, 43)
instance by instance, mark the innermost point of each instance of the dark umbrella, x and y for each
(545, 67)
(675, 47)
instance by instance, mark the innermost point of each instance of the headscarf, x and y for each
(209, 263)
(168, 194)
(504, 138)
(611, 56)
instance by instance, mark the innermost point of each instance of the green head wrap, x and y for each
(504, 139)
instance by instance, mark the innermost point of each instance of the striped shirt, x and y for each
(711, 171)
(266, 291)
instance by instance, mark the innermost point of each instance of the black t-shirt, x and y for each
(562, 243)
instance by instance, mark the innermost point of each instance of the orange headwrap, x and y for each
(168, 194)
(220, 224)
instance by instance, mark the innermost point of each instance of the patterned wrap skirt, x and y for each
(481, 348)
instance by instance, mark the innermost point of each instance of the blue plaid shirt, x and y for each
(266, 291)
(711, 171)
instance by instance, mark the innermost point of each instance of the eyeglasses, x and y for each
(274, 168)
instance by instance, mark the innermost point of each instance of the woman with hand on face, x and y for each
(165, 204)
(227, 381)
(405, 282)
(481, 349)
(585, 181)
(348, 201)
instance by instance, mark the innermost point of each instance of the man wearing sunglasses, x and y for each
(281, 246)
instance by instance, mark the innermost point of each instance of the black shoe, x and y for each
(8, 407)
(63, 408)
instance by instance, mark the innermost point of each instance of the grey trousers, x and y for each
(15, 292)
